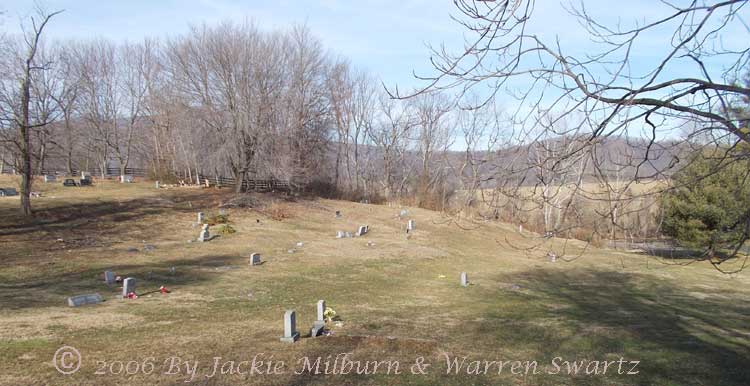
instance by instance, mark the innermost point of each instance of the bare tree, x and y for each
(602, 94)
(21, 69)
(390, 134)
(434, 136)
(66, 98)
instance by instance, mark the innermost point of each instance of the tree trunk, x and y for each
(25, 143)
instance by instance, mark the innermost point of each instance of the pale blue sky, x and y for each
(386, 37)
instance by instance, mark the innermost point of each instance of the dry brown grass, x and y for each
(397, 299)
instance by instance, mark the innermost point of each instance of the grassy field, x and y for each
(398, 300)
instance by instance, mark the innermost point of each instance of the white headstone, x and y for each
(255, 259)
(411, 225)
(321, 307)
(464, 280)
(82, 300)
(128, 286)
(50, 178)
(204, 235)
(126, 178)
(363, 230)
(340, 234)
(157, 185)
(290, 327)
(201, 217)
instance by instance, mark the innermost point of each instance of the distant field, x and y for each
(398, 299)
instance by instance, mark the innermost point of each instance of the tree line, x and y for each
(228, 99)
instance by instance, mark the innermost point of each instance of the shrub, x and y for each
(226, 229)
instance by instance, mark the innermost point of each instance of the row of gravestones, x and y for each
(361, 231)
(128, 287)
(291, 334)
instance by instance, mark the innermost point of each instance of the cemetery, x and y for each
(467, 192)
(441, 290)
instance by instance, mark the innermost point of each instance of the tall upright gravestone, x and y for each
(290, 327)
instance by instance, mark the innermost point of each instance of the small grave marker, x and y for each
(290, 327)
(255, 259)
(320, 323)
(69, 182)
(204, 235)
(128, 286)
(411, 225)
(464, 280)
(126, 179)
(109, 277)
(363, 230)
(201, 217)
(82, 300)
(50, 178)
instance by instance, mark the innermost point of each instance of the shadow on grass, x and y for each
(678, 337)
(54, 289)
(63, 216)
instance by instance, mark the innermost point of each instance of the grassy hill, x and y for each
(398, 299)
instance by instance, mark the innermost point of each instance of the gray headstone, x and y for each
(321, 307)
(50, 178)
(411, 225)
(317, 328)
(128, 286)
(338, 213)
(201, 217)
(363, 230)
(255, 259)
(340, 234)
(464, 280)
(204, 235)
(82, 300)
(157, 185)
(109, 277)
(8, 192)
(290, 327)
